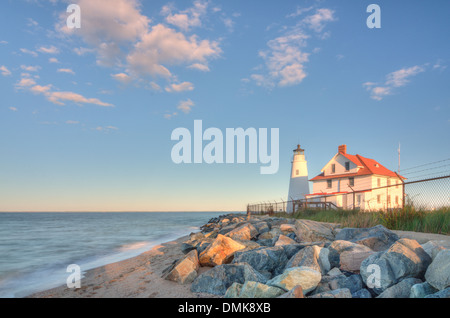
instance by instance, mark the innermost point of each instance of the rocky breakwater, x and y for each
(266, 257)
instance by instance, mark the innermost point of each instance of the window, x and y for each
(297, 172)
(379, 182)
(389, 199)
(347, 166)
(351, 182)
(359, 199)
(333, 168)
(396, 199)
(379, 198)
(329, 184)
(389, 182)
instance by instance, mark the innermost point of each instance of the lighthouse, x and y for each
(298, 186)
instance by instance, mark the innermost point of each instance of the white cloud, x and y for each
(30, 68)
(188, 18)
(53, 60)
(106, 128)
(286, 55)
(122, 77)
(186, 106)
(72, 122)
(122, 38)
(48, 50)
(66, 70)
(182, 87)
(164, 46)
(26, 51)
(318, 20)
(4, 70)
(394, 80)
(3, 42)
(14, 109)
(57, 97)
(80, 51)
(170, 116)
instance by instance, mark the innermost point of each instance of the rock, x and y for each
(353, 254)
(292, 249)
(362, 293)
(353, 283)
(338, 293)
(351, 261)
(273, 233)
(284, 240)
(270, 259)
(243, 232)
(186, 247)
(218, 279)
(292, 277)
(287, 228)
(400, 290)
(438, 273)
(185, 270)
(227, 229)
(313, 257)
(233, 291)
(196, 236)
(265, 242)
(312, 231)
(422, 290)
(252, 289)
(445, 293)
(216, 253)
(262, 227)
(296, 292)
(334, 272)
(377, 238)
(203, 245)
(432, 248)
(404, 259)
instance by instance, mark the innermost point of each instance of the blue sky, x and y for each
(86, 115)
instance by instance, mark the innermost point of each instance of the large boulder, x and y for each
(218, 279)
(432, 248)
(338, 293)
(348, 255)
(296, 292)
(267, 259)
(422, 290)
(287, 228)
(438, 273)
(219, 250)
(304, 276)
(404, 259)
(262, 227)
(185, 270)
(252, 289)
(377, 238)
(445, 293)
(284, 240)
(314, 257)
(312, 231)
(363, 293)
(352, 282)
(400, 290)
(243, 232)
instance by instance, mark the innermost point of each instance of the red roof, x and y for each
(367, 167)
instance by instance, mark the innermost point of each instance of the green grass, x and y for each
(406, 219)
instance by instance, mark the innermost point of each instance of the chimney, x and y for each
(342, 149)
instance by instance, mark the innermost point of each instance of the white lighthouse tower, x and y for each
(298, 186)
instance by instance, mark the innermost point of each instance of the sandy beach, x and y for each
(138, 277)
(141, 276)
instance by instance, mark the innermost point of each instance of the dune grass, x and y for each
(406, 219)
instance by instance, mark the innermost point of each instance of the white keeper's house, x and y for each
(353, 181)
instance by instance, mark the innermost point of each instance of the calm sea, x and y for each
(36, 248)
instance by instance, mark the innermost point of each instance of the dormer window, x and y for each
(347, 166)
(333, 168)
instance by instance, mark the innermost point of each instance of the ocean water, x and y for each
(36, 248)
